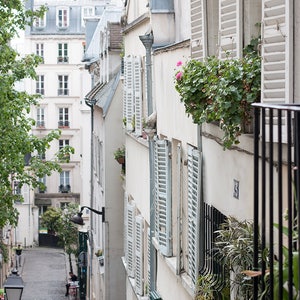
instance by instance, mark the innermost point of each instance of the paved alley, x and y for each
(44, 274)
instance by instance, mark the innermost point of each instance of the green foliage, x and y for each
(4, 251)
(120, 152)
(221, 91)
(235, 250)
(15, 125)
(51, 218)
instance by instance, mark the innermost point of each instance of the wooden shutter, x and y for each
(163, 207)
(230, 28)
(194, 194)
(277, 38)
(139, 259)
(130, 256)
(128, 100)
(138, 95)
(198, 29)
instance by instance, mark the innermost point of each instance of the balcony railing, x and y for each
(63, 92)
(63, 124)
(40, 124)
(276, 202)
(64, 188)
(62, 59)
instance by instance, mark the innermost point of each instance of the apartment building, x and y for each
(180, 182)
(62, 81)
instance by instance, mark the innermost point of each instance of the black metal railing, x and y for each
(276, 201)
(63, 124)
(211, 219)
(64, 188)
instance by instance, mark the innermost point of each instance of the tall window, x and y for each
(63, 118)
(64, 182)
(40, 117)
(62, 144)
(39, 50)
(62, 53)
(40, 85)
(87, 12)
(40, 22)
(63, 89)
(42, 187)
(62, 17)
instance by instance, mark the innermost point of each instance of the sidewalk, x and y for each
(44, 272)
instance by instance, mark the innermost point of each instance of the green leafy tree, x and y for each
(15, 126)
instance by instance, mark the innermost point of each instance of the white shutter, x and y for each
(138, 95)
(194, 194)
(163, 210)
(198, 27)
(148, 259)
(139, 259)
(277, 38)
(128, 91)
(130, 256)
(230, 28)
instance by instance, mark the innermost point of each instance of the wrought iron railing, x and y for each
(276, 201)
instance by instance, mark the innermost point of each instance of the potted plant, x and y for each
(100, 256)
(119, 155)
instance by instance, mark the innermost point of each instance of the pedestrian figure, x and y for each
(72, 278)
(18, 251)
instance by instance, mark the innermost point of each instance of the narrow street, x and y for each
(44, 274)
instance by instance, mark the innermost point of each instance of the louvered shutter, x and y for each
(138, 95)
(230, 28)
(128, 91)
(194, 194)
(139, 259)
(163, 211)
(130, 256)
(277, 35)
(198, 29)
(148, 259)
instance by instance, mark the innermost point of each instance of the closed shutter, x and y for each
(163, 211)
(277, 38)
(130, 240)
(194, 194)
(198, 29)
(230, 28)
(148, 260)
(139, 259)
(128, 106)
(138, 95)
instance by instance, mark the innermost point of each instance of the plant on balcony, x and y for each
(222, 91)
(119, 155)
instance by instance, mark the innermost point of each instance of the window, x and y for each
(62, 144)
(42, 155)
(40, 117)
(132, 97)
(63, 120)
(39, 50)
(40, 22)
(163, 207)
(87, 12)
(63, 85)
(42, 187)
(40, 85)
(16, 188)
(62, 17)
(62, 53)
(193, 189)
(64, 180)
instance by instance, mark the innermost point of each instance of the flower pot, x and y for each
(121, 160)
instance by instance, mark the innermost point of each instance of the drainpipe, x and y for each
(91, 103)
(147, 41)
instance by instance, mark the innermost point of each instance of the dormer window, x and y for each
(62, 17)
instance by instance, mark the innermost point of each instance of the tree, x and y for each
(16, 141)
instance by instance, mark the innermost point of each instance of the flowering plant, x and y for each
(221, 90)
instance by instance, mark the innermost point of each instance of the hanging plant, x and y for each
(221, 91)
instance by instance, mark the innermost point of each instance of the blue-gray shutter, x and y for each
(139, 257)
(194, 194)
(163, 207)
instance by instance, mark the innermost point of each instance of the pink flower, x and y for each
(179, 75)
(179, 63)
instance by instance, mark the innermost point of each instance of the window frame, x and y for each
(63, 85)
(40, 84)
(62, 17)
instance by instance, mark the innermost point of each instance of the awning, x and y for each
(103, 93)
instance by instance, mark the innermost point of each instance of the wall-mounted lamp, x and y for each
(77, 219)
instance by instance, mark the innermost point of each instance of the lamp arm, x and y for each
(102, 212)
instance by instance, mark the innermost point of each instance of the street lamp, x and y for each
(77, 219)
(13, 286)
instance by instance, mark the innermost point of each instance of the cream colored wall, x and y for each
(136, 9)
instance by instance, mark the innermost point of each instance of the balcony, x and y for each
(40, 124)
(64, 188)
(62, 59)
(63, 92)
(63, 124)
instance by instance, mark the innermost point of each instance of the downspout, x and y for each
(91, 103)
(147, 41)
